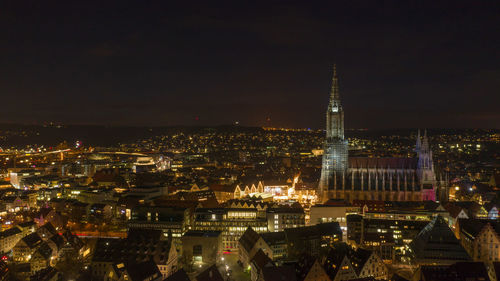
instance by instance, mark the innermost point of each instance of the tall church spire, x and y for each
(334, 92)
(335, 148)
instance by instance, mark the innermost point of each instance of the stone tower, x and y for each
(335, 156)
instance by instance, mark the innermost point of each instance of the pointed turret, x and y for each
(334, 104)
(419, 142)
(334, 93)
(425, 141)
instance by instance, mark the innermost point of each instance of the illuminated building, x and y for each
(345, 263)
(311, 239)
(276, 242)
(480, 238)
(240, 192)
(436, 244)
(151, 164)
(222, 192)
(280, 218)
(17, 176)
(134, 249)
(333, 212)
(335, 156)
(361, 178)
(173, 221)
(232, 222)
(9, 238)
(389, 236)
(25, 247)
(281, 192)
(201, 247)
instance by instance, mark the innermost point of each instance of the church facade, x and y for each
(364, 178)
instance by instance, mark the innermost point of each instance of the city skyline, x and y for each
(157, 64)
(262, 141)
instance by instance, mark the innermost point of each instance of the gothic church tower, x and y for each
(335, 156)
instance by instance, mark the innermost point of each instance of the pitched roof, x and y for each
(437, 241)
(261, 260)
(179, 275)
(210, 274)
(44, 251)
(472, 208)
(222, 187)
(359, 257)
(454, 210)
(336, 254)
(27, 224)
(472, 227)
(144, 234)
(321, 229)
(131, 250)
(273, 238)
(383, 163)
(49, 228)
(279, 273)
(32, 240)
(143, 271)
(460, 271)
(249, 238)
(9, 232)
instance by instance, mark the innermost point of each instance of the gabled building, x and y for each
(242, 192)
(27, 227)
(9, 238)
(41, 258)
(258, 263)
(316, 273)
(201, 247)
(248, 245)
(25, 248)
(368, 264)
(210, 274)
(436, 244)
(276, 242)
(473, 209)
(311, 239)
(108, 252)
(223, 192)
(480, 238)
(56, 243)
(338, 265)
(179, 275)
(46, 231)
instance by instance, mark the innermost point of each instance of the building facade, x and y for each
(362, 178)
(480, 239)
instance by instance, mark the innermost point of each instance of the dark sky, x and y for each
(401, 63)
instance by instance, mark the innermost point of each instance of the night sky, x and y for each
(157, 63)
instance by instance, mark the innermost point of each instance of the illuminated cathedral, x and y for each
(364, 178)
